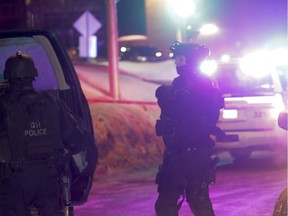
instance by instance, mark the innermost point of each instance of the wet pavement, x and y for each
(249, 188)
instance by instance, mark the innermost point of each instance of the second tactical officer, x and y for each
(38, 134)
(189, 113)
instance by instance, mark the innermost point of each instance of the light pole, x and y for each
(183, 9)
(113, 51)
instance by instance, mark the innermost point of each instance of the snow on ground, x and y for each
(125, 136)
(134, 83)
(153, 71)
(124, 132)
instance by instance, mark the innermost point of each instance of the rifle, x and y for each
(65, 190)
(212, 170)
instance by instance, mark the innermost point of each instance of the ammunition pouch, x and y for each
(18, 164)
(164, 127)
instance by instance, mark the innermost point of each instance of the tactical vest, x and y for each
(32, 124)
(188, 113)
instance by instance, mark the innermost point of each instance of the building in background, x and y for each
(58, 15)
(243, 24)
(140, 17)
(12, 14)
(161, 28)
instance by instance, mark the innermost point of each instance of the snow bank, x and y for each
(125, 136)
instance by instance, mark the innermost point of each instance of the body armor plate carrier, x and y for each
(33, 128)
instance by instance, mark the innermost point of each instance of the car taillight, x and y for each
(229, 114)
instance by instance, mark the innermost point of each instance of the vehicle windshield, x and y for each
(46, 79)
(233, 82)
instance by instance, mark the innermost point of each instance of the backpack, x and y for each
(32, 124)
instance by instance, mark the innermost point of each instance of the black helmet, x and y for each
(19, 66)
(192, 51)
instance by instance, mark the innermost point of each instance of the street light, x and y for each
(113, 52)
(208, 29)
(183, 9)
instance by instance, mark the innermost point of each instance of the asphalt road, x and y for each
(247, 188)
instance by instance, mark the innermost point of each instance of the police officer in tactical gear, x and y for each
(189, 113)
(38, 134)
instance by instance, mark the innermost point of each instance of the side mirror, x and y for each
(283, 120)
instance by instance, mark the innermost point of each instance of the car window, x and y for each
(50, 75)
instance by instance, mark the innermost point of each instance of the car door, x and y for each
(57, 77)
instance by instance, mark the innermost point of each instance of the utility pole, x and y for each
(113, 48)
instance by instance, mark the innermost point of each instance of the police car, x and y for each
(57, 77)
(254, 96)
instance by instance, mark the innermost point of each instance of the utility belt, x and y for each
(181, 135)
(168, 126)
(19, 164)
(7, 169)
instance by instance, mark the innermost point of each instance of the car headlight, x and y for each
(123, 49)
(158, 54)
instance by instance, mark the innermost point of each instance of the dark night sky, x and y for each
(241, 22)
(245, 23)
(252, 17)
(131, 17)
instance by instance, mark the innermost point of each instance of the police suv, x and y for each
(57, 77)
(254, 97)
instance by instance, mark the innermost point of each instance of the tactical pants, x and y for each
(184, 174)
(37, 184)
